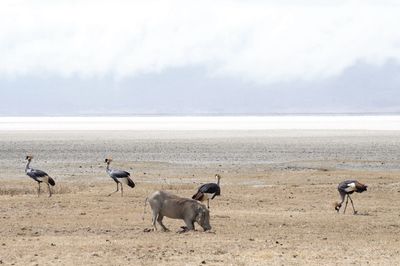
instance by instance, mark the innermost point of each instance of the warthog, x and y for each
(166, 204)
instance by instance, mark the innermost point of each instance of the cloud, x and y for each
(256, 41)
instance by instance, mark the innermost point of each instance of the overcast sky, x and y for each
(198, 57)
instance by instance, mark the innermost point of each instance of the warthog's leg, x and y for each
(189, 224)
(159, 220)
(154, 219)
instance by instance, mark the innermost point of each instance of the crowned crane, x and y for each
(119, 177)
(346, 188)
(38, 175)
(208, 191)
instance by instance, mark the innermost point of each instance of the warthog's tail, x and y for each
(144, 208)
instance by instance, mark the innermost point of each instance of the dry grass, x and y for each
(275, 207)
(285, 223)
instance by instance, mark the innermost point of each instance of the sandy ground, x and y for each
(276, 207)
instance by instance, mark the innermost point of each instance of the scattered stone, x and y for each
(53, 245)
(203, 262)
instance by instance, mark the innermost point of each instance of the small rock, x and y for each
(53, 245)
(203, 262)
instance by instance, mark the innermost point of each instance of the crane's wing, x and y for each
(198, 196)
(120, 174)
(209, 188)
(360, 187)
(37, 173)
(347, 186)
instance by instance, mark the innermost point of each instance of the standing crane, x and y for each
(119, 177)
(38, 175)
(348, 187)
(208, 191)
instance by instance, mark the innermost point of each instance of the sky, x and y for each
(199, 57)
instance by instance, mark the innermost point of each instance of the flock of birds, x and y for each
(205, 192)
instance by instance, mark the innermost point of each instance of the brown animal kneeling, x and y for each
(166, 204)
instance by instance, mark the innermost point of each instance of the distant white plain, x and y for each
(179, 123)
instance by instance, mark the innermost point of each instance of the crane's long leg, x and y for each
(49, 190)
(122, 190)
(208, 203)
(38, 192)
(114, 191)
(354, 210)
(345, 206)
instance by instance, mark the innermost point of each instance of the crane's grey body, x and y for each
(208, 191)
(346, 188)
(119, 176)
(39, 176)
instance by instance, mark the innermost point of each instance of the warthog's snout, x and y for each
(207, 228)
(204, 218)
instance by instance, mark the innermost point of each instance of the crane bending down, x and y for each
(38, 175)
(119, 177)
(348, 187)
(208, 191)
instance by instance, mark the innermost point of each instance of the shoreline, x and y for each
(207, 123)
